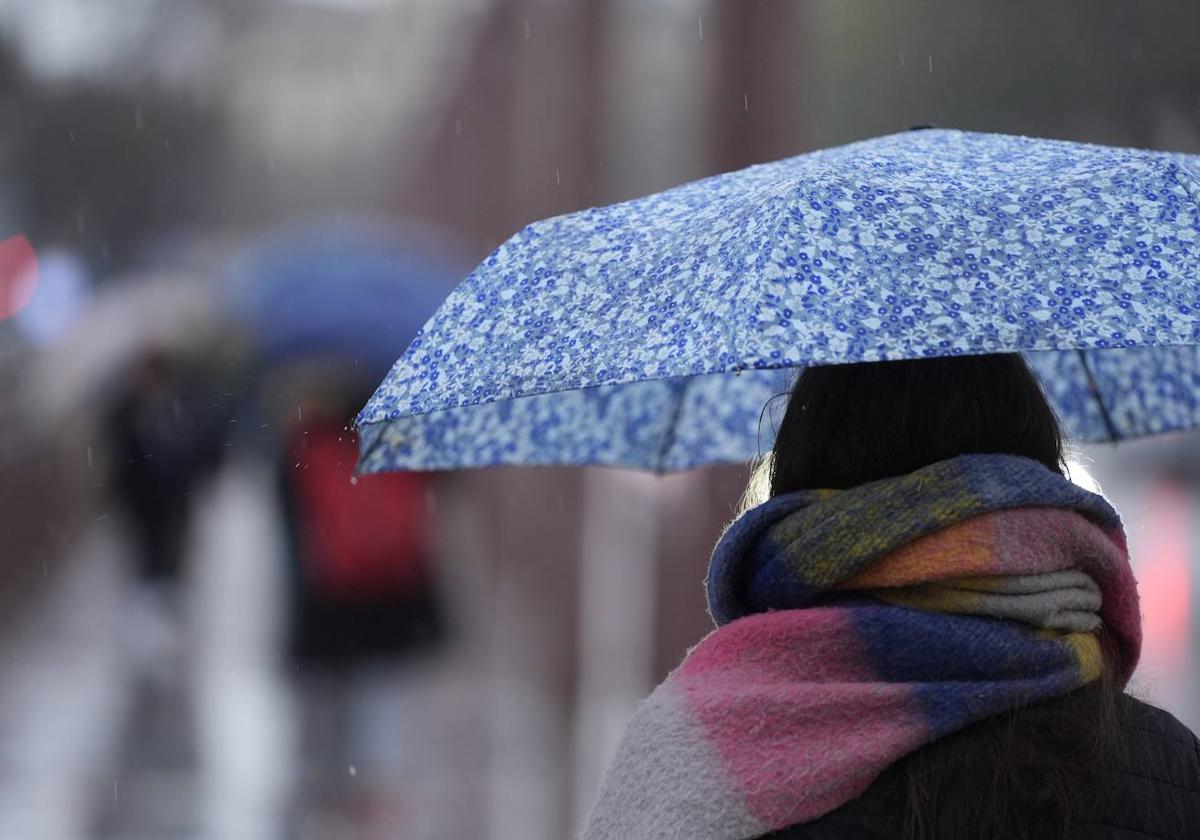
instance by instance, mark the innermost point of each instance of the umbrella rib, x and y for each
(1094, 387)
(669, 434)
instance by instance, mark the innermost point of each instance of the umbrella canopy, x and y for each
(352, 290)
(653, 333)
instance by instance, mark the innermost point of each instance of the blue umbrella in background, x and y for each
(354, 290)
(653, 333)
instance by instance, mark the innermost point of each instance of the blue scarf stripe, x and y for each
(964, 668)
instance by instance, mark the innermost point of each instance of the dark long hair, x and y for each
(1027, 773)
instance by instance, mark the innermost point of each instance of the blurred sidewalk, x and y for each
(62, 697)
(117, 726)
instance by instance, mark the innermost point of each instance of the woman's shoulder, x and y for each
(1154, 784)
(1158, 744)
(1142, 718)
(1151, 789)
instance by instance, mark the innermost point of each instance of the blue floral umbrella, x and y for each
(654, 333)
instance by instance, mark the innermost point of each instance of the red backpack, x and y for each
(358, 536)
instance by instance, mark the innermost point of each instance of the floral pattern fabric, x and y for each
(656, 332)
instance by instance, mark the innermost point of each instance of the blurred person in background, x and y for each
(166, 432)
(932, 645)
(363, 608)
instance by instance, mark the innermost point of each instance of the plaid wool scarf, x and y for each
(855, 626)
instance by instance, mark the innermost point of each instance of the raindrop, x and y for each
(901, 59)
(89, 454)
(353, 481)
(139, 119)
(299, 416)
(700, 24)
(353, 770)
(458, 128)
(931, 64)
(558, 177)
(746, 101)
(528, 30)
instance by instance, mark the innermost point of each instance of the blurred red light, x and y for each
(1164, 577)
(18, 275)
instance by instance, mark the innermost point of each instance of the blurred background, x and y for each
(220, 220)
